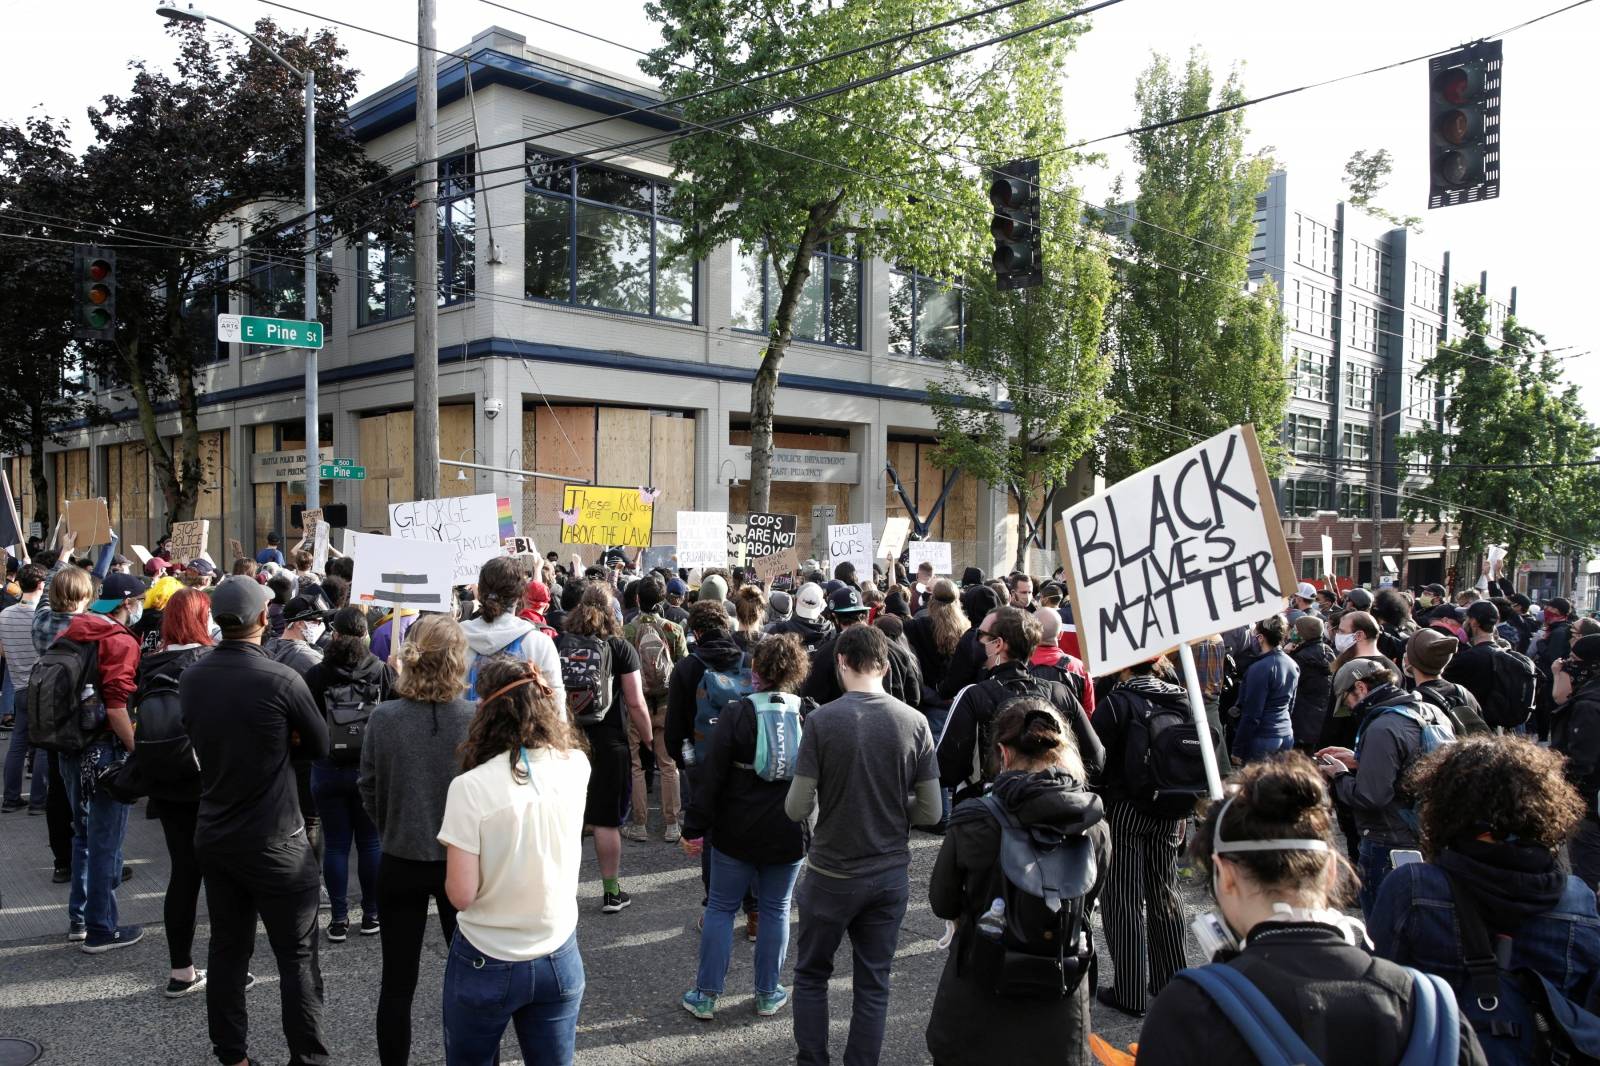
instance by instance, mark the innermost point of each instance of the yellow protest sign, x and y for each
(606, 516)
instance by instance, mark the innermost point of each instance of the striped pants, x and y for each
(1140, 908)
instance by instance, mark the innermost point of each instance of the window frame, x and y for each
(828, 257)
(917, 281)
(1298, 420)
(1362, 377)
(452, 170)
(1349, 445)
(1322, 370)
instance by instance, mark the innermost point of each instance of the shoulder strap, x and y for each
(1477, 947)
(1435, 1023)
(1253, 1015)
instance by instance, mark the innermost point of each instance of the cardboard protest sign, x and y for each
(309, 518)
(189, 539)
(702, 538)
(935, 553)
(1183, 549)
(1327, 556)
(521, 546)
(236, 548)
(90, 520)
(401, 572)
(736, 546)
(766, 533)
(769, 567)
(470, 525)
(606, 515)
(660, 557)
(141, 553)
(851, 544)
(895, 532)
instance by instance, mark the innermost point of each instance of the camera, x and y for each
(492, 407)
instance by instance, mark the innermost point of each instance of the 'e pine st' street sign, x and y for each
(280, 332)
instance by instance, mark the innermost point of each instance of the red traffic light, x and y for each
(1008, 193)
(1457, 85)
(99, 270)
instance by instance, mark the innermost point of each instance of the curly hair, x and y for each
(1504, 786)
(526, 716)
(707, 616)
(781, 663)
(433, 659)
(589, 621)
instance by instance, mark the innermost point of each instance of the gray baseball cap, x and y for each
(239, 601)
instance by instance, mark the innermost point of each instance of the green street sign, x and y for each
(333, 472)
(276, 332)
(344, 462)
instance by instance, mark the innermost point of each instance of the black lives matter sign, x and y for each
(1186, 548)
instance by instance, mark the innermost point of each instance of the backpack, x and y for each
(514, 649)
(717, 691)
(655, 658)
(63, 712)
(586, 675)
(349, 704)
(1163, 768)
(1435, 1027)
(161, 745)
(1436, 733)
(1515, 687)
(777, 735)
(985, 761)
(1452, 700)
(1034, 942)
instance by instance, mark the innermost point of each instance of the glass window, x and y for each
(1355, 442)
(1311, 304)
(1308, 436)
(1359, 392)
(386, 283)
(926, 316)
(1311, 376)
(829, 308)
(1314, 244)
(208, 296)
(603, 238)
(1303, 498)
(275, 282)
(1355, 501)
(1363, 327)
(1427, 287)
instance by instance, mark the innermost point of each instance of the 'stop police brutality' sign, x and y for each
(1186, 548)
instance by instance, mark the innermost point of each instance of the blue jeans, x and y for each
(730, 880)
(1261, 747)
(17, 756)
(98, 826)
(870, 909)
(1374, 864)
(344, 820)
(539, 997)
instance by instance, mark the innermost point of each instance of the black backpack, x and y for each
(1162, 767)
(161, 744)
(1452, 700)
(1001, 691)
(64, 713)
(1040, 945)
(1516, 685)
(350, 704)
(586, 675)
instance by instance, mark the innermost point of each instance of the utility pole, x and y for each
(425, 230)
(1376, 454)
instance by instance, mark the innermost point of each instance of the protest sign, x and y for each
(736, 546)
(851, 544)
(1327, 556)
(309, 519)
(11, 533)
(1389, 566)
(189, 539)
(702, 538)
(521, 546)
(236, 548)
(470, 525)
(769, 567)
(1185, 548)
(936, 553)
(895, 532)
(90, 520)
(607, 516)
(319, 548)
(141, 553)
(660, 557)
(401, 572)
(766, 533)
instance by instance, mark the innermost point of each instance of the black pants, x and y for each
(183, 885)
(1140, 907)
(278, 883)
(58, 817)
(404, 888)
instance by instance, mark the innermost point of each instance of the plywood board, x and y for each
(266, 496)
(672, 444)
(903, 456)
(372, 452)
(530, 487)
(622, 447)
(457, 436)
(563, 444)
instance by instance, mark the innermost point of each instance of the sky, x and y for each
(1536, 236)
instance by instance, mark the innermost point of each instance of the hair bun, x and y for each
(1285, 793)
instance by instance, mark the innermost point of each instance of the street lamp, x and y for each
(309, 77)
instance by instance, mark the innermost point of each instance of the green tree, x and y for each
(1192, 347)
(1365, 177)
(1023, 399)
(883, 167)
(1506, 405)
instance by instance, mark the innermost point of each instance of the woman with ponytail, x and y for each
(1043, 787)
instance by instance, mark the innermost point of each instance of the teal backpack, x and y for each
(717, 691)
(777, 735)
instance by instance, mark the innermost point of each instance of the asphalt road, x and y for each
(108, 1009)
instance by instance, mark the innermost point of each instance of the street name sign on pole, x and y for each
(280, 332)
(339, 472)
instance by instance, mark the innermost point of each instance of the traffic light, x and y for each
(95, 272)
(1464, 125)
(1018, 255)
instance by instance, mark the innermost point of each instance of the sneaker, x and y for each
(615, 901)
(77, 931)
(34, 812)
(127, 872)
(8, 723)
(770, 1003)
(699, 1004)
(369, 925)
(752, 924)
(249, 981)
(126, 936)
(11, 805)
(61, 875)
(338, 932)
(177, 989)
(672, 834)
(636, 833)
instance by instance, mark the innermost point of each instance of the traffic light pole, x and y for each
(313, 438)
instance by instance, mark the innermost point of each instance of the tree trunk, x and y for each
(41, 484)
(168, 471)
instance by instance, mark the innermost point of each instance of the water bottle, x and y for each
(688, 753)
(992, 923)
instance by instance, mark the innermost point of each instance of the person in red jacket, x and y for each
(99, 821)
(1051, 662)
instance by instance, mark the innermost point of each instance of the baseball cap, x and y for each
(537, 593)
(811, 564)
(158, 565)
(1306, 591)
(1430, 650)
(200, 566)
(303, 609)
(116, 590)
(808, 601)
(1355, 670)
(676, 587)
(239, 601)
(846, 600)
(1359, 599)
(1436, 590)
(1560, 604)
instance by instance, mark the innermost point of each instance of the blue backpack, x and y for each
(717, 691)
(777, 735)
(514, 649)
(1435, 1019)
(1436, 733)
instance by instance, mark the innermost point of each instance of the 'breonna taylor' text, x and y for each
(1181, 543)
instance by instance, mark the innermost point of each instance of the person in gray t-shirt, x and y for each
(867, 769)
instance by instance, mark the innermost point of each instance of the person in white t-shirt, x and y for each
(513, 830)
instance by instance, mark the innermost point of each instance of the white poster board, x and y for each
(851, 544)
(1327, 556)
(895, 532)
(1183, 549)
(397, 572)
(470, 525)
(319, 549)
(702, 539)
(936, 553)
(738, 551)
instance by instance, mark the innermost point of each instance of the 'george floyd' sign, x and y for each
(1186, 548)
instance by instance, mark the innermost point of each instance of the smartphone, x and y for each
(1401, 856)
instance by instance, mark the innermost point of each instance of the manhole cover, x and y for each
(15, 1051)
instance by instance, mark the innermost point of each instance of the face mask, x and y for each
(313, 632)
(135, 613)
(1425, 599)
(1343, 642)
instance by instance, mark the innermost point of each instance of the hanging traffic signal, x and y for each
(95, 272)
(1464, 125)
(1018, 254)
